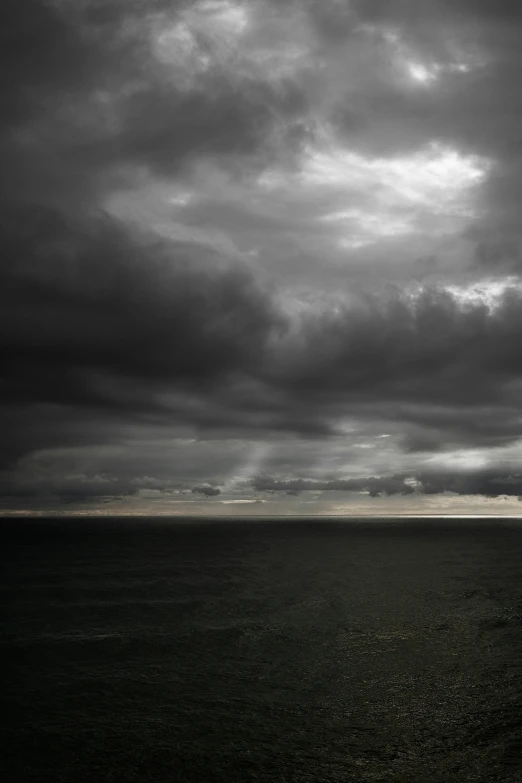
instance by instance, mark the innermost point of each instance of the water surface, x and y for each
(306, 651)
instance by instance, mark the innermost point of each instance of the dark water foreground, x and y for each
(316, 651)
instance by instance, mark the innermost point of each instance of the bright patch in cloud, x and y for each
(431, 176)
(366, 227)
(371, 198)
(427, 75)
(421, 73)
(202, 36)
(230, 18)
(486, 292)
(409, 60)
(181, 198)
(462, 460)
(246, 42)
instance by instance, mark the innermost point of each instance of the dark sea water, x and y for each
(306, 651)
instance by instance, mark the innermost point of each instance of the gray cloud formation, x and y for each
(206, 490)
(391, 485)
(489, 484)
(202, 303)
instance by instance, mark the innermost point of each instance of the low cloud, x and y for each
(207, 490)
(374, 486)
(489, 484)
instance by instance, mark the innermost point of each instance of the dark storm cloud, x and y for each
(491, 484)
(103, 324)
(111, 322)
(424, 347)
(506, 11)
(488, 483)
(88, 303)
(44, 486)
(206, 490)
(97, 299)
(99, 319)
(41, 52)
(54, 59)
(409, 12)
(96, 317)
(99, 296)
(85, 102)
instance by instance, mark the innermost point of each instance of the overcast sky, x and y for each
(261, 256)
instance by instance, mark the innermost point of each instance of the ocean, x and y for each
(220, 651)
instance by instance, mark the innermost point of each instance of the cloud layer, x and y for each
(258, 251)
